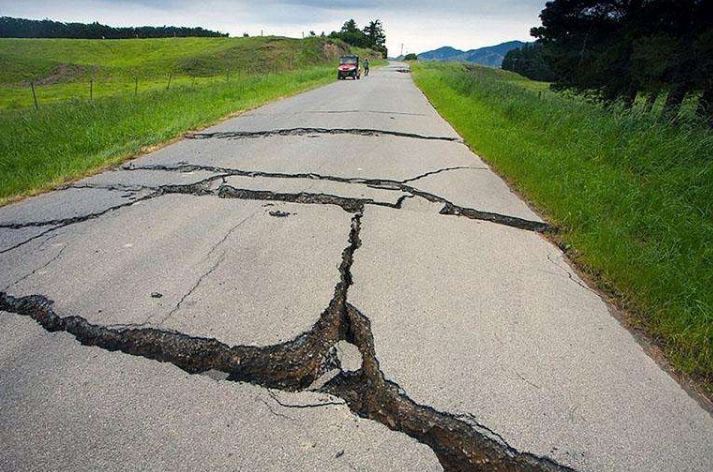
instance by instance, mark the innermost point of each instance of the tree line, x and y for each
(372, 36)
(618, 50)
(23, 28)
(529, 61)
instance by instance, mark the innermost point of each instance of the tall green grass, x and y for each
(632, 198)
(41, 149)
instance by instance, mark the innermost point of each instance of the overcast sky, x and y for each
(419, 24)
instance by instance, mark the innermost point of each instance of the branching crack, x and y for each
(271, 410)
(203, 188)
(461, 444)
(198, 188)
(305, 131)
(449, 208)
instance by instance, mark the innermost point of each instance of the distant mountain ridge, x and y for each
(488, 56)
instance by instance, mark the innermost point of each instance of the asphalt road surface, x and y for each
(331, 282)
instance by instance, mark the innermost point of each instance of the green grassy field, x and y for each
(632, 199)
(62, 68)
(68, 138)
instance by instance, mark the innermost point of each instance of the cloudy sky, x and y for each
(419, 24)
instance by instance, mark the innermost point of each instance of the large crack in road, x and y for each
(449, 208)
(203, 188)
(302, 131)
(459, 444)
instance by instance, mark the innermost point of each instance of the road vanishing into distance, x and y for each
(331, 282)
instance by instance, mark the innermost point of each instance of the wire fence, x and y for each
(93, 88)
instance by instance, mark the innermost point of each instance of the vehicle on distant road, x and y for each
(348, 67)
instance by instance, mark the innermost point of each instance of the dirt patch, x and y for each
(332, 50)
(63, 73)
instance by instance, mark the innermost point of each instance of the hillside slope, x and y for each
(69, 135)
(62, 68)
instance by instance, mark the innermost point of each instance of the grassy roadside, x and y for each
(632, 199)
(45, 148)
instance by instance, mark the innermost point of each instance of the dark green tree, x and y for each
(615, 49)
(372, 36)
(22, 28)
(588, 43)
(376, 39)
(351, 34)
(529, 61)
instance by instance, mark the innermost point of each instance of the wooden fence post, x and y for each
(136, 85)
(34, 95)
(170, 76)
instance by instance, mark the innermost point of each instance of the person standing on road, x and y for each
(366, 67)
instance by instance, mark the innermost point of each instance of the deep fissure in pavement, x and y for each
(202, 188)
(460, 445)
(449, 208)
(296, 365)
(301, 131)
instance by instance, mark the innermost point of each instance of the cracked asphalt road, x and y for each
(195, 308)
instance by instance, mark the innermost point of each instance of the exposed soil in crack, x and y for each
(350, 205)
(460, 445)
(294, 365)
(306, 131)
(449, 208)
(290, 366)
(203, 188)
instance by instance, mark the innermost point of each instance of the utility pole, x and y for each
(402, 49)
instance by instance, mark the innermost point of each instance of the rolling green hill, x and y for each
(62, 68)
(70, 136)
